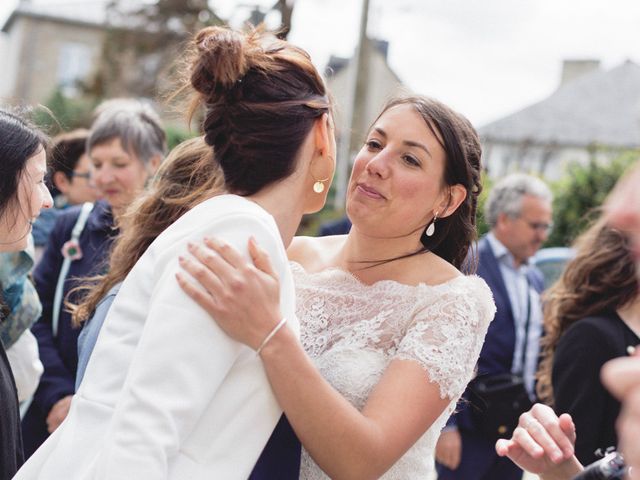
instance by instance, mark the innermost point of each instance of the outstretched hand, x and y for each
(242, 296)
(543, 444)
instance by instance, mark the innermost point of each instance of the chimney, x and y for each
(572, 69)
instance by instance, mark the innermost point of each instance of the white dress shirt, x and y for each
(522, 297)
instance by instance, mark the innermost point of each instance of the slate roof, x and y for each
(601, 107)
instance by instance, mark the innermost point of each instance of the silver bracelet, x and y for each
(271, 335)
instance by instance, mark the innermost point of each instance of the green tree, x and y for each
(176, 135)
(481, 223)
(64, 113)
(143, 42)
(580, 192)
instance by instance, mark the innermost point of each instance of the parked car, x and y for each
(551, 262)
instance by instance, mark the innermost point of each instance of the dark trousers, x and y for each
(479, 461)
(280, 459)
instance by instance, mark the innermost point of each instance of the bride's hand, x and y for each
(543, 443)
(242, 297)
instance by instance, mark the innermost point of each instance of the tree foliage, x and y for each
(481, 224)
(63, 113)
(145, 41)
(577, 196)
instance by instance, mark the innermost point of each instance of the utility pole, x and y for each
(354, 121)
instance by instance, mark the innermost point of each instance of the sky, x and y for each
(484, 58)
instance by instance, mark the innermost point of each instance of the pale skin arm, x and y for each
(345, 442)
(543, 444)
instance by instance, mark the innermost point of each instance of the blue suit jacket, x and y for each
(499, 344)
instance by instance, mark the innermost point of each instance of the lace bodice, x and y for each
(352, 331)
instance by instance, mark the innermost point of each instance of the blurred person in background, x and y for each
(591, 315)
(518, 210)
(69, 174)
(125, 146)
(543, 442)
(23, 194)
(622, 376)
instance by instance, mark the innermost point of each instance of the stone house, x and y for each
(49, 46)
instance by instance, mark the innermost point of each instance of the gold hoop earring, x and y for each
(318, 186)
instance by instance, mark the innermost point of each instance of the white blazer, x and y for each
(167, 394)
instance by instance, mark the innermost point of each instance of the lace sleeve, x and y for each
(447, 332)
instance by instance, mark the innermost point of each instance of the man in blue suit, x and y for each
(519, 212)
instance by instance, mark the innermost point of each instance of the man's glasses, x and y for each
(538, 226)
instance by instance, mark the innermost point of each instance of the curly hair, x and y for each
(601, 278)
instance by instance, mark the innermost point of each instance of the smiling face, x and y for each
(397, 185)
(32, 196)
(118, 175)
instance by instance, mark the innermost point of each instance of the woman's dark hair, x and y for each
(454, 234)
(19, 141)
(600, 279)
(261, 97)
(66, 150)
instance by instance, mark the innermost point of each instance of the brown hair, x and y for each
(66, 150)
(188, 176)
(601, 278)
(455, 233)
(261, 97)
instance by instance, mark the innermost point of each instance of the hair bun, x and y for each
(221, 59)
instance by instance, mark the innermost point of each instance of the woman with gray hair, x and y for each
(125, 146)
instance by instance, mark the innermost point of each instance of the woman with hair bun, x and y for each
(166, 393)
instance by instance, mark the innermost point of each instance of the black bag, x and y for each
(497, 401)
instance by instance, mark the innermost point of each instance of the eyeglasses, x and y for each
(86, 175)
(538, 226)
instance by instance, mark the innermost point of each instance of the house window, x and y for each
(74, 65)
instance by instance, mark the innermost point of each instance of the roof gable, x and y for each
(601, 107)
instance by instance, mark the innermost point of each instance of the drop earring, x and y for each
(431, 229)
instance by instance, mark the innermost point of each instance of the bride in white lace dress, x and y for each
(391, 329)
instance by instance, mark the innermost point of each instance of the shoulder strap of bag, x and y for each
(66, 263)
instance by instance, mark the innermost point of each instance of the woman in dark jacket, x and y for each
(22, 195)
(126, 145)
(592, 314)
